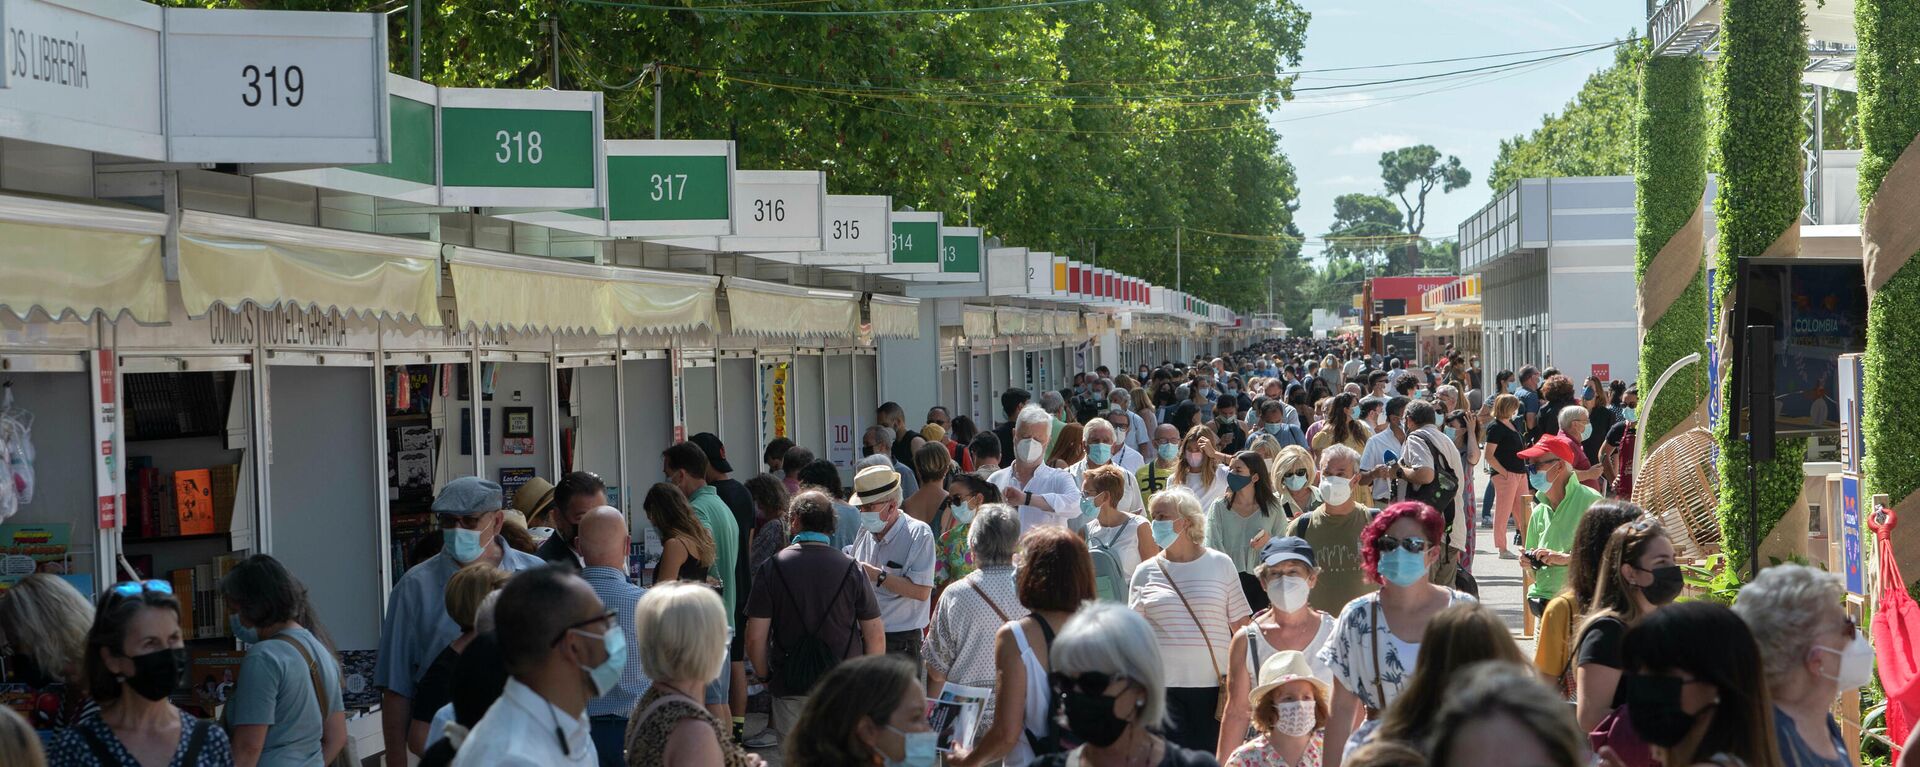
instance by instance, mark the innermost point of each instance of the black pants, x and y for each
(1192, 711)
(1536, 606)
(905, 644)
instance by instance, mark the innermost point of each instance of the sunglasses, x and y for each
(1300, 473)
(1386, 543)
(1090, 683)
(136, 588)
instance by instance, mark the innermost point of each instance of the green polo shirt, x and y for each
(714, 513)
(1552, 527)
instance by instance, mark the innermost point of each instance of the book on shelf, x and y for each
(183, 592)
(193, 499)
(226, 484)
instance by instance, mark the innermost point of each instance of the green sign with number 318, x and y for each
(522, 148)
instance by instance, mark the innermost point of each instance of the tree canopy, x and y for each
(1591, 136)
(1098, 127)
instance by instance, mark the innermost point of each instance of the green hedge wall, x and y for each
(1670, 174)
(1889, 67)
(1764, 50)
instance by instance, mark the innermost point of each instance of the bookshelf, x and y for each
(414, 451)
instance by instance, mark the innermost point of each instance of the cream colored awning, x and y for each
(894, 316)
(71, 257)
(232, 261)
(772, 309)
(1098, 323)
(510, 292)
(977, 321)
(1010, 321)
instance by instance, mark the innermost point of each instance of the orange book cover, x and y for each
(193, 499)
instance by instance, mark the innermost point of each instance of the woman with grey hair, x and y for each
(972, 609)
(1811, 651)
(1110, 682)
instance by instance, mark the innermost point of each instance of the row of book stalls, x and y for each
(182, 391)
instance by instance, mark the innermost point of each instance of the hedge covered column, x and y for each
(1889, 66)
(1757, 211)
(1670, 174)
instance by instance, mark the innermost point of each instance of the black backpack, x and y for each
(805, 661)
(1442, 492)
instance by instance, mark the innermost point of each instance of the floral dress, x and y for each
(1351, 651)
(952, 560)
(1259, 753)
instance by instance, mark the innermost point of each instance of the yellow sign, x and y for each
(780, 400)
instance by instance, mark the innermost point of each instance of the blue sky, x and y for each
(1335, 138)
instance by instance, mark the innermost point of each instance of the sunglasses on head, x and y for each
(136, 588)
(1090, 683)
(1413, 545)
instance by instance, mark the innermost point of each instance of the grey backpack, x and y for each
(1109, 583)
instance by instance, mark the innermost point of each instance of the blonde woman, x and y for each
(1191, 596)
(1501, 456)
(45, 621)
(1201, 470)
(685, 626)
(1295, 480)
(19, 746)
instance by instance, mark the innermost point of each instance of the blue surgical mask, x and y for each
(1586, 432)
(607, 674)
(1630, 415)
(246, 634)
(870, 521)
(1354, 413)
(1099, 453)
(1402, 567)
(1452, 433)
(1236, 482)
(1088, 509)
(1163, 533)
(1167, 452)
(463, 545)
(922, 749)
(1295, 481)
(1540, 481)
(962, 514)
(1275, 428)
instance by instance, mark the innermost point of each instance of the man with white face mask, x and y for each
(417, 625)
(1287, 572)
(1044, 495)
(1333, 530)
(896, 553)
(1812, 652)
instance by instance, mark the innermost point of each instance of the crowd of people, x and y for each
(1259, 560)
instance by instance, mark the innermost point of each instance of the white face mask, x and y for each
(1856, 663)
(1289, 593)
(1029, 450)
(1294, 717)
(1335, 490)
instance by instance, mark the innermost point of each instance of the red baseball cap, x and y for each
(1557, 445)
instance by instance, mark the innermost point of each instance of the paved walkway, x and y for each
(1500, 588)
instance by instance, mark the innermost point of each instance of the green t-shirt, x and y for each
(1229, 533)
(714, 513)
(1552, 527)
(1336, 550)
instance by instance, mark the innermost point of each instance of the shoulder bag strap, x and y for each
(982, 593)
(1378, 688)
(100, 752)
(663, 700)
(1162, 562)
(196, 742)
(313, 673)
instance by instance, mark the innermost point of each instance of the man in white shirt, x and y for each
(1100, 445)
(1044, 495)
(1133, 433)
(1373, 460)
(1417, 468)
(563, 649)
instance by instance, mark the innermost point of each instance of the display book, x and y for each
(163, 505)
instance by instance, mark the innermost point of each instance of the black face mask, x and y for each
(158, 673)
(1090, 718)
(1666, 586)
(1653, 706)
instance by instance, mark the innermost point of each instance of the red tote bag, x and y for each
(1896, 638)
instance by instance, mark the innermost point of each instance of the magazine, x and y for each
(956, 715)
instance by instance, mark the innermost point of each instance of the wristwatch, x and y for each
(882, 579)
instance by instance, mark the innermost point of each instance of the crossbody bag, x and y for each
(345, 758)
(1220, 706)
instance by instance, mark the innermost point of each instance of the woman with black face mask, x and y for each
(1697, 702)
(1637, 576)
(135, 659)
(1108, 682)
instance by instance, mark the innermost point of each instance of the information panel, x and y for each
(916, 240)
(409, 174)
(1040, 274)
(1006, 271)
(526, 149)
(779, 205)
(858, 224)
(83, 74)
(960, 249)
(294, 87)
(672, 188)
